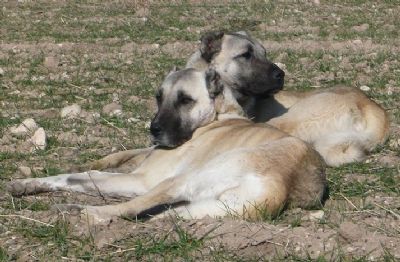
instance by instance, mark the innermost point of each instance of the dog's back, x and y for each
(342, 123)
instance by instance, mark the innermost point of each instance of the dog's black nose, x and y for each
(277, 73)
(155, 128)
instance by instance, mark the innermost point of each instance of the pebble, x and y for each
(350, 231)
(365, 88)
(28, 125)
(1, 72)
(71, 111)
(281, 66)
(133, 120)
(39, 139)
(316, 215)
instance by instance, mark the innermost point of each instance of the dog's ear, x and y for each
(214, 83)
(210, 45)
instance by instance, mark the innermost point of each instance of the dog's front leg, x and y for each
(167, 192)
(116, 184)
(134, 157)
(183, 188)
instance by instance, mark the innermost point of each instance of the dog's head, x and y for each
(241, 61)
(186, 101)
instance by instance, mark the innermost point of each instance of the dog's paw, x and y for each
(94, 215)
(28, 186)
(97, 215)
(16, 188)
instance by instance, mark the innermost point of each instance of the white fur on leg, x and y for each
(117, 184)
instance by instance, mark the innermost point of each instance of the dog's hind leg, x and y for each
(116, 184)
(341, 148)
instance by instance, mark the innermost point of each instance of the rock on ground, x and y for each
(28, 125)
(71, 111)
(39, 139)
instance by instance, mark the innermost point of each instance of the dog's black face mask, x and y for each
(259, 78)
(242, 64)
(168, 128)
(185, 102)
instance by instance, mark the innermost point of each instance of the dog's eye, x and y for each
(246, 55)
(184, 99)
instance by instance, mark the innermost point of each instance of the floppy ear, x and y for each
(210, 45)
(214, 83)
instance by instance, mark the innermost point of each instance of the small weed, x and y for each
(178, 243)
(3, 255)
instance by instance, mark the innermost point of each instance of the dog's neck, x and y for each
(227, 107)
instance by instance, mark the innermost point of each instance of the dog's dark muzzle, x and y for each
(277, 77)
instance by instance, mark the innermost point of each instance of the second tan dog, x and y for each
(342, 123)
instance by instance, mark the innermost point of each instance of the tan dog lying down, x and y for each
(341, 123)
(209, 161)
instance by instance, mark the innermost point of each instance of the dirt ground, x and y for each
(86, 72)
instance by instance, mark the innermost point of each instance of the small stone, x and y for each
(357, 42)
(316, 215)
(133, 120)
(25, 171)
(71, 111)
(112, 109)
(316, 2)
(96, 115)
(365, 88)
(1, 72)
(28, 125)
(350, 231)
(281, 66)
(39, 139)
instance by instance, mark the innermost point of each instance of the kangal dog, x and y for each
(209, 160)
(341, 123)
